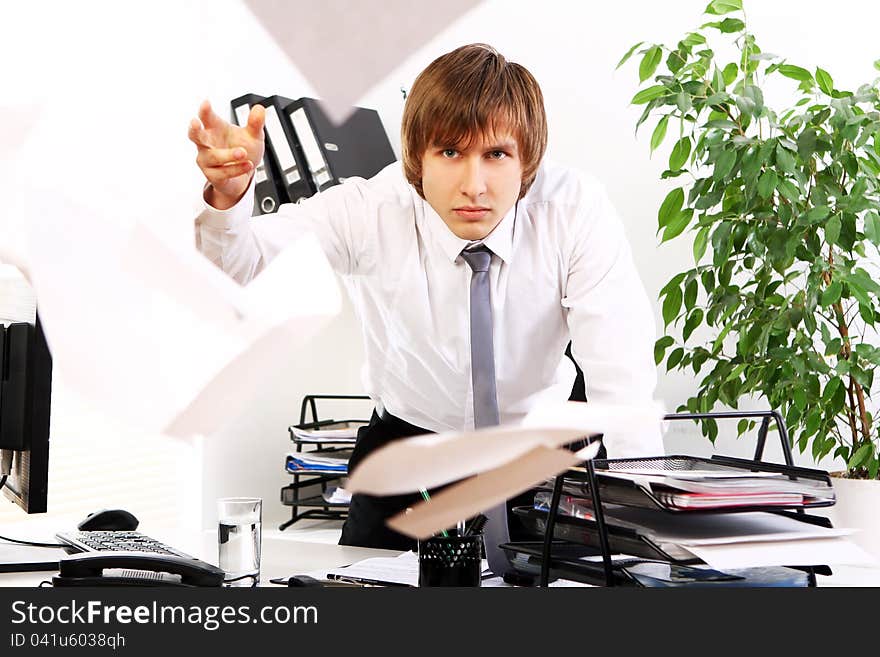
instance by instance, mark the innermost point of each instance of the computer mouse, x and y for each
(303, 580)
(109, 520)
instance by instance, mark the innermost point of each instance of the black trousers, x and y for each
(365, 526)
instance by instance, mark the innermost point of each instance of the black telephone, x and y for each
(107, 568)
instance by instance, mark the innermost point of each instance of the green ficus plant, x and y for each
(783, 209)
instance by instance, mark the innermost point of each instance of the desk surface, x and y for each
(282, 556)
(287, 554)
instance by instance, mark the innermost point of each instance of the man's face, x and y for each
(473, 189)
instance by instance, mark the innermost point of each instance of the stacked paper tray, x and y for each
(687, 484)
(329, 432)
(622, 540)
(580, 564)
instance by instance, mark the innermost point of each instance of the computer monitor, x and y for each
(25, 399)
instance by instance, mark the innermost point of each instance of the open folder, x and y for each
(498, 462)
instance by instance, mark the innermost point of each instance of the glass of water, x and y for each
(238, 539)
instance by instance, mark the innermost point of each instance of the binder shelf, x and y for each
(319, 460)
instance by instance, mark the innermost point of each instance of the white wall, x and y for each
(118, 85)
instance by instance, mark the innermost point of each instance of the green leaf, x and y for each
(806, 143)
(700, 243)
(721, 243)
(680, 153)
(649, 63)
(628, 54)
(729, 74)
(719, 98)
(864, 279)
(673, 283)
(648, 94)
(691, 323)
(831, 389)
(721, 7)
(767, 183)
(831, 294)
(730, 25)
(862, 454)
(814, 419)
(670, 207)
(690, 294)
(796, 73)
(858, 292)
(826, 84)
(683, 102)
(660, 348)
(817, 214)
(677, 225)
(789, 191)
(872, 227)
(724, 164)
(832, 229)
(674, 358)
(671, 306)
(695, 39)
(755, 93)
(785, 160)
(659, 133)
(877, 64)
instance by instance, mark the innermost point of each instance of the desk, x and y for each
(282, 556)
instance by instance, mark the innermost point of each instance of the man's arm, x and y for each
(610, 320)
(342, 218)
(242, 246)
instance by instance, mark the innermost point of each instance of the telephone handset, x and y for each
(107, 568)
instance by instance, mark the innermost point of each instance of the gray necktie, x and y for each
(485, 397)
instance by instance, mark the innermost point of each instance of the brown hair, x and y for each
(473, 91)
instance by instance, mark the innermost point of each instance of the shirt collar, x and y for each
(499, 241)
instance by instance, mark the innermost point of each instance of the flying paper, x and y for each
(344, 48)
(435, 459)
(159, 335)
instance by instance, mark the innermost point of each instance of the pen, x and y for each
(363, 581)
(427, 498)
(476, 525)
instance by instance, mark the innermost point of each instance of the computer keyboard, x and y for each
(117, 541)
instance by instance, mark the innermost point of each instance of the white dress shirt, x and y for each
(561, 269)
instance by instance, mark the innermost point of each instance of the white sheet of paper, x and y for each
(803, 552)
(159, 336)
(344, 48)
(402, 569)
(436, 459)
(485, 490)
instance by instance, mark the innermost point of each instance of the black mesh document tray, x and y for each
(568, 562)
(816, 484)
(622, 540)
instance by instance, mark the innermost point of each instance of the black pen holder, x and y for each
(450, 561)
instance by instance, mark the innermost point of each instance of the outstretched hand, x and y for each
(227, 153)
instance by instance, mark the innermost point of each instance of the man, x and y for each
(470, 265)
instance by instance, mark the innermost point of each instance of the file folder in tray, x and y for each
(689, 484)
